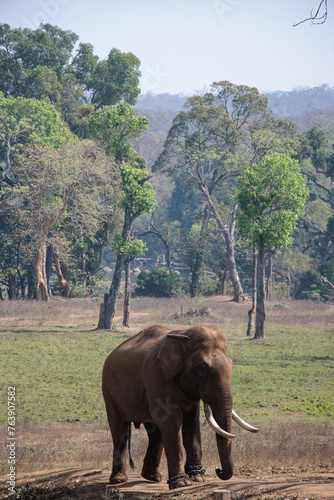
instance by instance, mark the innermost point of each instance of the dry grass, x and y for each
(76, 445)
(144, 311)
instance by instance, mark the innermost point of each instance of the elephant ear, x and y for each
(171, 355)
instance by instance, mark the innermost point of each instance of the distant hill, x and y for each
(301, 100)
(154, 102)
(283, 104)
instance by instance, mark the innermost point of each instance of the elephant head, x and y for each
(198, 361)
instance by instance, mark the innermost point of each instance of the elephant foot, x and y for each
(151, 476)
(198, 478)
(118, 478)
(196, 473)
(179, 481)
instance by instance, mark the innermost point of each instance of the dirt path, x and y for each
(93, 485)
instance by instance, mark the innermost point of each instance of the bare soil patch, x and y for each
(256, 484)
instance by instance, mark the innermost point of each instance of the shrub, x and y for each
(158, 283)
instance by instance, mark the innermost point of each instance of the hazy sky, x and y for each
(185, 45)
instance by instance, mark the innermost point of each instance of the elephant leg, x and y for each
(120, 434)
(192, 443)
(120, 438)
(153, 454)
(172, 439)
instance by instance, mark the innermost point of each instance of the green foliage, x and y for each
(84, 63)
(115, 79)
(131, 248)
(29, 121)
(22, 50)
(137, 191)
(36, 63)
(271, 195)
(158, 283)
(114, 126)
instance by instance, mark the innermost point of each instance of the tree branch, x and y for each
(323, 281)
(316, 18)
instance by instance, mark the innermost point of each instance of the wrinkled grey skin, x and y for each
(158, 378)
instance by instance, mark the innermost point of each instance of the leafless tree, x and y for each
(320, 15)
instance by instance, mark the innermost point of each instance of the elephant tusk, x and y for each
(213, 424)
(242, 423)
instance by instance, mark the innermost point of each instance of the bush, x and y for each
(209, 286)
(158, 283)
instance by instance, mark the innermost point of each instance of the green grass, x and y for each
(292, 373)
(57, 374)
(57, 369)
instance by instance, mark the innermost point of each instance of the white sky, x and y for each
(185, 45)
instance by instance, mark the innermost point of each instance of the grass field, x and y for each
(53, 355)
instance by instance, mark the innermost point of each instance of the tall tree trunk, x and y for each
(108, 307)
(222, 275)
(11, 290)
(61, 280)
(260, 307)
(269, 283)
(31, 284)
(39, 267)
(232, 267)
(127, 291)
(199, 258)
(251, 312)
(22, 284)
(228, 236)
(48, 265)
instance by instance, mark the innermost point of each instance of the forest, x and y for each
(169, 195)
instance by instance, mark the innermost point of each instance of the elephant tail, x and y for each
(132, 465)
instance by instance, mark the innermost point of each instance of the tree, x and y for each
(28, 121)
(84, 63)
(207, 142)
(317, 223)
(37, 63)
(41, 156)
(138, 197)
(115, 79)
(23, 50)
(271, 195)
(54, 183)
(114, 127)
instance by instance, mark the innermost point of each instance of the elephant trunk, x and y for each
(223, 416)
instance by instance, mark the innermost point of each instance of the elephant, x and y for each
(158, 378)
